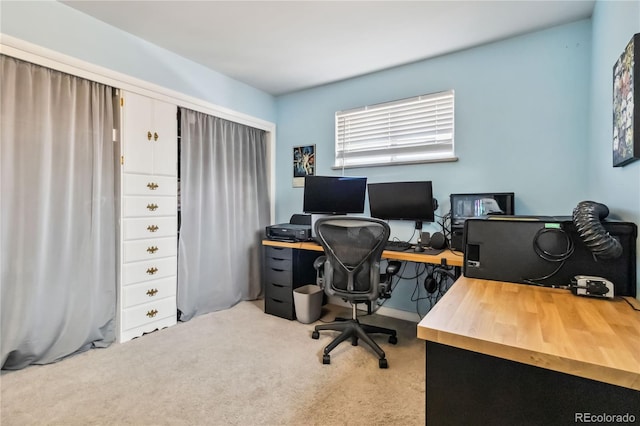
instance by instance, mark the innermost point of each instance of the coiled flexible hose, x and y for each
(587, 218)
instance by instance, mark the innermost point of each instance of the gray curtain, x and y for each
(58, 288)
(224, 208)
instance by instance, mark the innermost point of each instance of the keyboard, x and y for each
(397, 246)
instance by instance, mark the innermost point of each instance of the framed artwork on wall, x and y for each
(626, 123)
(304, 164)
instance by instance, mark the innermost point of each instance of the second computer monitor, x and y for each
(402, 201)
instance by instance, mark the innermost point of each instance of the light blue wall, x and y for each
(614, 23)
(533, 113)
(522, 108)
(58, 27)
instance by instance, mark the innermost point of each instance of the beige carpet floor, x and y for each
(235, 367)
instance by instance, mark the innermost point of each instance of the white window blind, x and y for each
(418, 129)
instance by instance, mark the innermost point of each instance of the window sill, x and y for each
(403, 163)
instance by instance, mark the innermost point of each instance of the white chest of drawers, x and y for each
(149, 224)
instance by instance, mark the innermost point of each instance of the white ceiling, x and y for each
(284, 46)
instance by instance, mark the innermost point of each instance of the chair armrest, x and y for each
(318, 265)
(319, 262)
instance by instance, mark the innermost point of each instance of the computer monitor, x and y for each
(465, 206)
(334, 194)
(402, 201)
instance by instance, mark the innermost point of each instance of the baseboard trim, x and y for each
(382, 310)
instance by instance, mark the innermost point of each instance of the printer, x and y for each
(298, 229)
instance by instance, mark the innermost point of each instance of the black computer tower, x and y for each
(503, 249)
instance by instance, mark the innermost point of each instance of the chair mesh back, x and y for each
(353, 246)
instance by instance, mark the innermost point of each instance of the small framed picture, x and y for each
(304, 164)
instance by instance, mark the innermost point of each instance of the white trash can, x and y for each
(308, 303)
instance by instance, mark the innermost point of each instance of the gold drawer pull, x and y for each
(152, 313)
(152, 271)
(152, 249)
(152, 207)
(152, 228)
(152, 292)
(152, 186)
(148, 135)
(155, 136)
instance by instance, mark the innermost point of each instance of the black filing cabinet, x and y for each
(285, 269)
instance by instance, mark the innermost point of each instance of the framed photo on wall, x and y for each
(626, 123)
(304, 164)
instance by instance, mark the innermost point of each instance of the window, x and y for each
(414, 130)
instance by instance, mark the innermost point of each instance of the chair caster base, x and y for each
(393, 340)
(382, 363)
(326, 359)
(315, 335)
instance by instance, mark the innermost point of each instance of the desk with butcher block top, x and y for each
(447, 257)
(501, 353)
(288, 265)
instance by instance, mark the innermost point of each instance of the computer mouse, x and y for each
(418, 248)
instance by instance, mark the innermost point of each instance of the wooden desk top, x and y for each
(544, 327)
(452, 258)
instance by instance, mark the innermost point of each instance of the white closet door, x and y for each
(151, 129)
(138, 144)
(165, 149)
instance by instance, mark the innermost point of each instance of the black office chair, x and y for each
(350, 269)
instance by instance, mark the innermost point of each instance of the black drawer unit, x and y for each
(285, 269)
